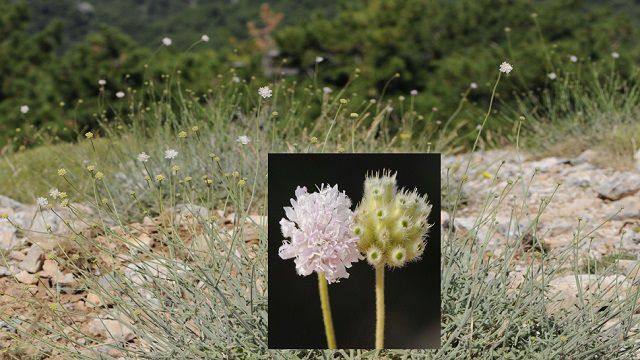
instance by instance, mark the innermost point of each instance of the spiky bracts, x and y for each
(391, 223)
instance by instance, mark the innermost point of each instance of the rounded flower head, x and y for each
(320, 226)
(170, 154)
(552, 76)
(24, 109)
(615, 55)
(265, 92)
(573, 58)
(391, 223)
(204, 38)
(473, 85)
(243, 139)
(166, 41)
(42, 202)
(120, 94)
(505, 67)
(143, 157)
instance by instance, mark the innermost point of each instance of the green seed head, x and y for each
(391, 222)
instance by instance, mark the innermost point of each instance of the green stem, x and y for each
(380, 307)
(326, 311)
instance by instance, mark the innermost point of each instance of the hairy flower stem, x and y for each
(379, 307)
(326, 311)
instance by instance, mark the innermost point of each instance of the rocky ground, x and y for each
(40, 261)
(554, 202)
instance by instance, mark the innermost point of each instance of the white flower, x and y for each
(166, 41)
(170, 154)
(505, 67)
(42, 201)
(265, 92)
(120, 94)
(243, 139)
(102, 82)
(615, 55)
(552, 76)
(573, 58)
(327, 90)
(414, 92)
(319, 59)
(54, 193)
(473, 86)
(204, 37)
(143, 157)
(235, 79)
(320, 228)
(24, 109)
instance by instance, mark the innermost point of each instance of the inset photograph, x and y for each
(354, 251)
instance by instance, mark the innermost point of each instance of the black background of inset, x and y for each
(412, 292)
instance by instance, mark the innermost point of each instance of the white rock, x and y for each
(8, 238)
(33, 261)
(26, 278)
(111, 329)
(619, 185)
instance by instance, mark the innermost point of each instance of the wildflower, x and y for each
(414, 92)
(354, 115)
(182, 134)
(615, 55)
(175, 168)
(314, 140)
(204, 37)
(99, 175)
(188, 179)
(89, 135)
(243, 139)
(195, 128)
(319, 59)
(242, 182)
(235, 79)
(265, 92)
(62, 195)
(159, 178)
(473, 86)
(552, 76)
(401, 98)
(4, 216)
(42, 202)
(573, 58)
(505, 67)
(24, 109)
(320, 228)
(166, 41)
(54, 193)
(62, 172)
(91, 168)
(102, 82)
(120, 94)
(327, 90)
(143, 157)
(392, 222)
(170, 154)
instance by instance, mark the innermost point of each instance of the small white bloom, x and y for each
(170, 154)
(573, 58)
(24, 109)
(319, 59)
(102, 82)
(143, 157)
(552, 76)
(54, 193)
(204, 38)
(473, 86)
(166, 41)
(505, 67)
(327, 90)
(615, 55)
(414, 92)
(235, 79)
(120, 94)
(389, 109)
(243, 139)
(265, 92)
(42, 201)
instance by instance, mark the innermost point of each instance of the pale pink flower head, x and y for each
(320, 226)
